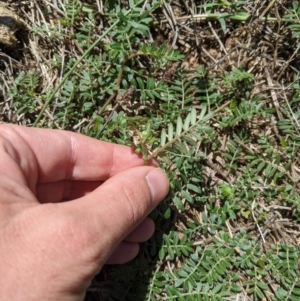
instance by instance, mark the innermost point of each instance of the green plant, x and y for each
(24, 92)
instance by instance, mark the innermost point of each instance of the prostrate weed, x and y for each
(211, 90)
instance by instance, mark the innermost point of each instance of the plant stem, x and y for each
(162, 148)
(241, 18)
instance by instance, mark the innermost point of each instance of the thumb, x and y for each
(118, 206)
(66, 244)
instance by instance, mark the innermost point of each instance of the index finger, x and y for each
(63, 155)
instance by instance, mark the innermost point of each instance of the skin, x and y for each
(68, 205)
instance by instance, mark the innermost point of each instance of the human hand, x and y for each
(68, 205)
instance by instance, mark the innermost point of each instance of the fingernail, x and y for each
(158, 184)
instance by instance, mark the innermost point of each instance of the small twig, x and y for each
(100, 6)
(32, 12)
(43, 18)
(256, 223)
(208, 54)
(246, 147)
(172, 20)
(273, 93)
(217, 170)
(218, 39)
(75, 127)
(222, 107)
(274, 127)
(267, 8)
(292, 113)
(107, 121)
(277, 207)
(287, 63)
(143, 7)
(55, 6)
(229, 228)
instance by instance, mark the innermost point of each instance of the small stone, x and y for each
(10, 23)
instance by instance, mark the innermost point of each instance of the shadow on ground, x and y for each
(131, 281)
